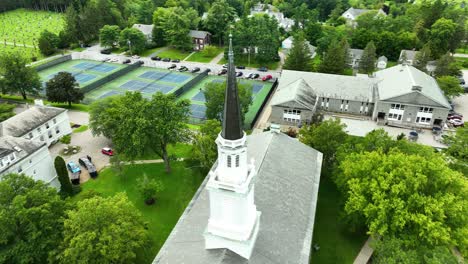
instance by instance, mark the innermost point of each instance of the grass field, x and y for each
(28, 53)
(173, 54)
(201, 56)
(144, 79)
(337, 244)
(85, 71)
(25, 26)
(161, 217)
(462, 62)
(261, 90)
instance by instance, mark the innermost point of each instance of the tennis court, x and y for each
(146, 80)
(260, 91)
(84, 71)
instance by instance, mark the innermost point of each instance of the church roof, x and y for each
(286, 189)
(232, 128)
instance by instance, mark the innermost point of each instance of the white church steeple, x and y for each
(234, 220)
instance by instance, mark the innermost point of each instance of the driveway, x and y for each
(90, 145)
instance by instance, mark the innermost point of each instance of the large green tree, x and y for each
(325, 137)
(109, 35)
(336, 58)
(215, 93)
(17, 77)
(63, 88)
(458, 149)
(134, 39)
(204, 146)
(48, 42)
(368, 59)
(446, 66)
(219, 16)
(442, 33)
(104, 230)
(299, 57)
(450, 86)
(31, 220)
(137, 125)
(413, 197)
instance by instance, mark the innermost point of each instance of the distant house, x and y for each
(147, 30)
(382, 62)
(272, 11)
(200, 39)
(288, 43)
(352, 13)
(355, 56)
(408, 56)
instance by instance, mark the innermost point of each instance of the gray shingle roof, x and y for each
(30, 119)
(400, 80)
(357, 12)
(382, 58)
(198, 34)
(410, 54)
(27, 147)
(286, 189)
(145, 29)
(298, 91)
(356, 53)
(356, 88)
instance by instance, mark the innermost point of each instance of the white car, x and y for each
(136, 57)
(114, 60)
(105, 59)
(456, 122)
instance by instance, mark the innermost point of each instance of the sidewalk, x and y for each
(216, 59)
(365, 254)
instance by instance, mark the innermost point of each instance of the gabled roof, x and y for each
(355, 12)
(145, 29)
(410, 54)
(402, 80)
(356, 88)
(356, 53)
(198, 34)
(286, 191)
(298, 91)
(22, 123)
(382, 58)
(20, 146)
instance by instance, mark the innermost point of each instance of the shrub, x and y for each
(149, 188)
(65, 185)
(65, 139)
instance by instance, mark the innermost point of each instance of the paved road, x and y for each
(215, 68)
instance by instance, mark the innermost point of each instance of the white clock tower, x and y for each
(234, 220)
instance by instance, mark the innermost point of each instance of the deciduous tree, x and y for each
(31, 221)
(450, 86)
(446, 66)
(17, 77)
(220, 15)
(458, 150)
(204, 146)
(148, 188)
(48, 42)
(109, 35)
(110, 230)
(133, 39)
(64, 88)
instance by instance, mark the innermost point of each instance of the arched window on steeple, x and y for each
(237, 160)
(229, 161)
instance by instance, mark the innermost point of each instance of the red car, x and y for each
(107, 151)
(267, 77)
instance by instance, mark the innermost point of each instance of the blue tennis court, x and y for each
(157, 87)
(199, 97)
(175, 78)
(153, 75)
(145, 87)
(133, 85)
(198, 111)
(95, 67)
(110, 93)
(84, 77)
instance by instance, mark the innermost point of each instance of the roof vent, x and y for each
(416, 88)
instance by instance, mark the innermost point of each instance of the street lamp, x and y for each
(129, 46)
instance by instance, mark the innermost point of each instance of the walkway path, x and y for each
(18, 44)
(216, 59)
(460, 55)
(158, 51)
(188, 56)
(365, 254)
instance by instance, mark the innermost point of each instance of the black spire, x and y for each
(232, 128)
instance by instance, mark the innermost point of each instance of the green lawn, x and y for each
(180, 150)
(337, 245)
(77, 107)
(81, 129)
(391, 63)
(244, 60)
(28, 53)
(180, 186)
(201, 56)
(173, 54)
(462, 62)
(462, 50)
(25, 25)
(148, 52)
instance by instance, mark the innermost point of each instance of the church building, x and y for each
(257, 203)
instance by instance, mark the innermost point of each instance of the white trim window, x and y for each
(395, 117)
(423, 120)
(397, 106)
(292, 115)
(426, 110)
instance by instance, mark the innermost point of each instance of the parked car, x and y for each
(136, 57)
(454, 116)
(183, 69)
(126, 61)
(166, 59)
(208, 70)
(73, 168)
(86, 162)
(114, 59)
(225, 66)
(267, 77)
(173, 66)
(196, 69)
(105, 59)
(462, 81)
(456, 122)
(176, 60)
(106, 51)
(156, 58)
(263, 69)
(255, 76)
(107, 151)
(239, 74)
(240, 67)
(223, 71)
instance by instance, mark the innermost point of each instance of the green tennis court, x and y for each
(145, 80)
(84, 71)
(260, 91)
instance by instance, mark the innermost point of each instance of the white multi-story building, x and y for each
(39, 123)
(25, 138)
